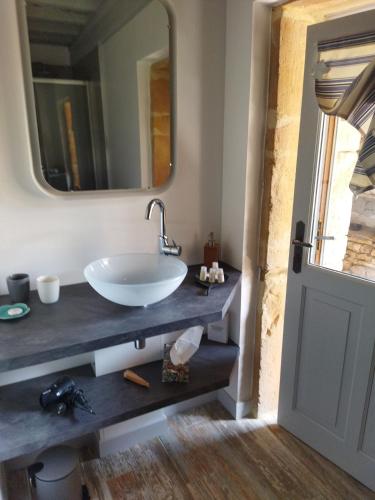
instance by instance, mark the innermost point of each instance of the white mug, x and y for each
(48, 289)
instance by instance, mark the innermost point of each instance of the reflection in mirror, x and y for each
(102, 76)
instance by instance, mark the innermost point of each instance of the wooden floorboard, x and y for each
(207, 455)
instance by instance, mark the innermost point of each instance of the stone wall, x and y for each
(285, 97)
(359, 258)
(360, 253)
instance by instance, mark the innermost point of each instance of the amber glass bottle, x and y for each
(211, 251)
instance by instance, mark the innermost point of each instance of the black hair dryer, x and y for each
(64, 395)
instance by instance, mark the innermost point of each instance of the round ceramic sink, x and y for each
(136, 279)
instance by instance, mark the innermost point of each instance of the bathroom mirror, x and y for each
(101, 98)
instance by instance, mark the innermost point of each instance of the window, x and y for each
(344, 225)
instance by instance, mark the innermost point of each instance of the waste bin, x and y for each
(56, 475)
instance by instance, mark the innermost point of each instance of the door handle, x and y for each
(325, 238)
(299, 245)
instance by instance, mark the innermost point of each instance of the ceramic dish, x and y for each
(13, 311)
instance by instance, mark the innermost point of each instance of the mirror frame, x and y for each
(33, 135)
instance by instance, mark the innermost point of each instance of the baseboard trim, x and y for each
(243, 409)
(238, 409)
(129, 439)
(122, 436)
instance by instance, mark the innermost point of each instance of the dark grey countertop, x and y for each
(26, 428)
(83, 321)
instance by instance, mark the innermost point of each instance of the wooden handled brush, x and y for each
(133, 377)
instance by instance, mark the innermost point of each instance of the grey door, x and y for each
(327, 392)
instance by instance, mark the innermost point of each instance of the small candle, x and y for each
(212, 275)
(220, 276)
(203, 273)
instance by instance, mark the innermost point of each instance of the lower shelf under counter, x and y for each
(25, 428)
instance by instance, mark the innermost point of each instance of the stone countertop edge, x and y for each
(83, 321)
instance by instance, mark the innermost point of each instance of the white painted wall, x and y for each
(236, 111)
(236, 116)
(144, 35)
(259, 77)
(247, 47)
(246, 87)
(61, 235)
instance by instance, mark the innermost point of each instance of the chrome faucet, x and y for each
(165, 247)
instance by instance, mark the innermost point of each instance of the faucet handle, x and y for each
(176, 249)
(171, 249)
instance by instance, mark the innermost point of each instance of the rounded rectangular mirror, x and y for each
(102, 81)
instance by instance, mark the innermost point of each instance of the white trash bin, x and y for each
(58, 476)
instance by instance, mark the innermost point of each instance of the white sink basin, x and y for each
(136, 279)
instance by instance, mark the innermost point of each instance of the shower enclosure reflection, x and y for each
(101, 75)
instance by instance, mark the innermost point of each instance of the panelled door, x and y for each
(327, 393)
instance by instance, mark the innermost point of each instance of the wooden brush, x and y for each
(133, 377)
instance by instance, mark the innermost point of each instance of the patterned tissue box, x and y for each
(171, 372)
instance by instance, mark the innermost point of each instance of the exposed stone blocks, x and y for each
(286, 84)
(360, 253)
(272, 323)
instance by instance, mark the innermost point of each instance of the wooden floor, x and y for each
(207, 455)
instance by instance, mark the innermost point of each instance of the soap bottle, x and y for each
(211, 251)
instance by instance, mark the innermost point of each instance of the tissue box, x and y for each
(171, 372)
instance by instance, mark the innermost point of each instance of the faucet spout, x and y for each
(165, 247)
(150, 208)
